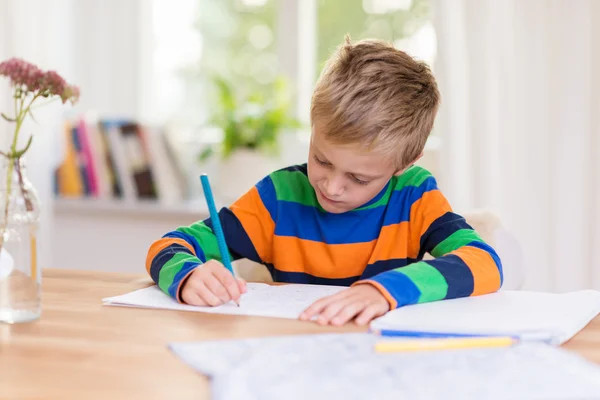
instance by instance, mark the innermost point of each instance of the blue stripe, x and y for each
(385, 265)
(457, 274)
(440, 230)
(190, 239)
(187, 267)
(402, 200)
(357, 226)
(301, 277)
(492, 252)
(399, 286)
(163, 257)
(238, 241)
(266, 191)
(306, 222)
(378, 197)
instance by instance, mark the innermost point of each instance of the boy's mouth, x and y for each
(327, 199)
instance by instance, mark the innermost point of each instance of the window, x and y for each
(251, 42)
(406, 23)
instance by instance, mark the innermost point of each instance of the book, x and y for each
(122, 159)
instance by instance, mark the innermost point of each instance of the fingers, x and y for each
(228, 282)
(242, 285)
(362, 302)
(205, 294)
(370, 312)
(216, 287)
(190, 297)
(332, 310)
(349, 310)
(318, 306)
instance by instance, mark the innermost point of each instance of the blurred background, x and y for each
(171, 89)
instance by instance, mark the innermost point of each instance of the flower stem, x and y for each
(20, 113)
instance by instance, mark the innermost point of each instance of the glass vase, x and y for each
(20, 277)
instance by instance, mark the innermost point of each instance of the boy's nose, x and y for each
(333, 188)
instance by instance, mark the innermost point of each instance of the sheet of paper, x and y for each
(344, 366)
(284, 301)
(563, 315)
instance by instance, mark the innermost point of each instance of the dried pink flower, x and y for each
(53, 84)
(71, 93)
(30, 79)
(30, 83)
(22, 73)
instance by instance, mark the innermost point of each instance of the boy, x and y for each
(357, 214)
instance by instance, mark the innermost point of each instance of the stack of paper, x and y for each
(344, 366)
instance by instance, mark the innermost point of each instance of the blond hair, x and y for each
(373, 94)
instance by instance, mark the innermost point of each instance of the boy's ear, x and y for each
(400, 172)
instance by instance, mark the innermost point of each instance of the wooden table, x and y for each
(80, 349)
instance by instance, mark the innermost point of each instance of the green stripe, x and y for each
(455, 241)
(430, 282)
(171, 268)
(206, 239)
(413, 176)
(294, 186)
(382, 201)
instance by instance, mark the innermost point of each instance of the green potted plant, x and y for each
(251, 125)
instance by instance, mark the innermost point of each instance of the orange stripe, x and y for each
(424, 212)
(486, 277)
(161, 244)
(395, 242)
(321, 259)
(385, 293)
(257, 223)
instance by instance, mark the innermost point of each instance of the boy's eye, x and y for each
(359, 181)
(320, 161)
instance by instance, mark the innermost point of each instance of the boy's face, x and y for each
(345, 176)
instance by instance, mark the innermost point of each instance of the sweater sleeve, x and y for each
(463, 265)
(248, 226)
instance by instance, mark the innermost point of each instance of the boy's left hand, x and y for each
(363, 301)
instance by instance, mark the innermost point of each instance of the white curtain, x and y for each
(520, 122)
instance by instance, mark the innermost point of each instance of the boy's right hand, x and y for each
(211, 284)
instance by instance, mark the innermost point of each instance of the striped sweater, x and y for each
(280, 224)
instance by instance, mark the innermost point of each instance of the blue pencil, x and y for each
(545, 337)
(216, 223)
(424, 334)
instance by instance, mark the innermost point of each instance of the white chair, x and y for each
(493, 232)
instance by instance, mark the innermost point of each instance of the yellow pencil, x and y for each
(390, 346)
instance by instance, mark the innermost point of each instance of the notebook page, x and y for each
(284, 301)
(510, 312)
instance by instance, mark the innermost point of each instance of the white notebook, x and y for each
(509, 312)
